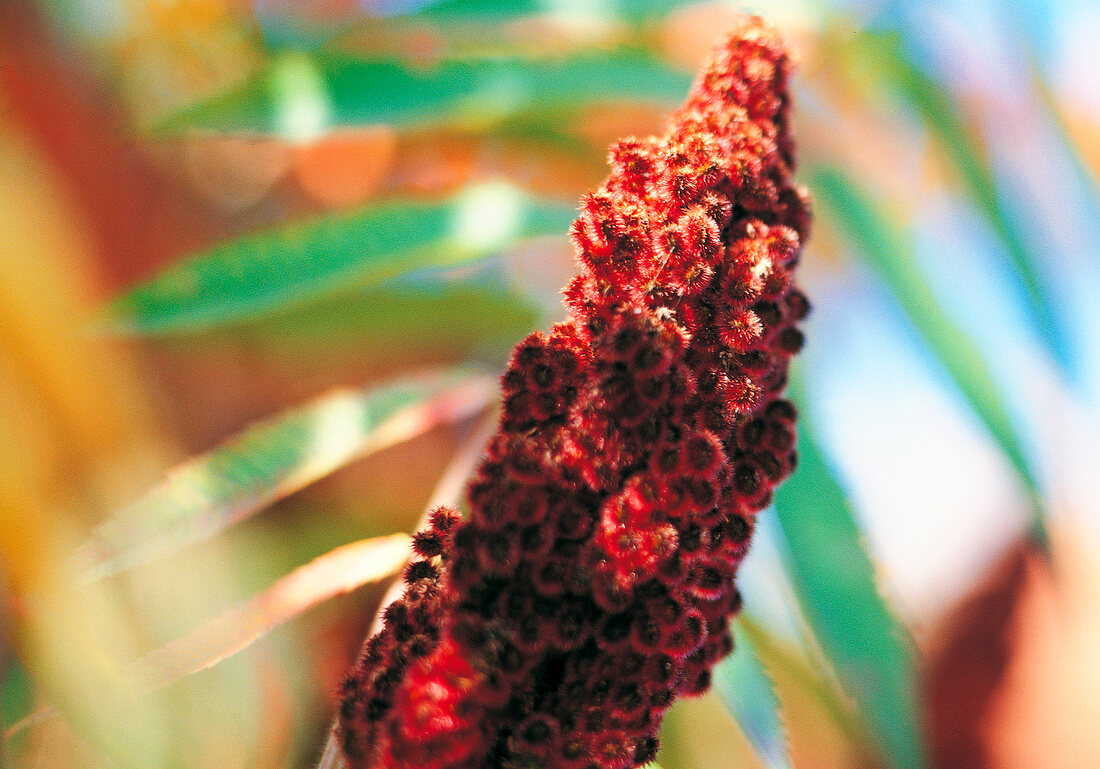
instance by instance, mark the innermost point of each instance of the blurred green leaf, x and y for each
(835, 582)
(16, 701)
(301, 95)
(400, 319)
(497, 10)
(1086, 175)
(889, 252)
(274, 459)
(551, 129)
(284, 267)
(886, 57)
(748, 692)
(16, 695)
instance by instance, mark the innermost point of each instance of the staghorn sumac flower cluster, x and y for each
(594, 579)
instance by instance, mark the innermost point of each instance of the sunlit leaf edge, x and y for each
(301, 94)
(285, 267)
(890, 61)
(748, 692)
(834, 579)
(272, 460)
(889, 252)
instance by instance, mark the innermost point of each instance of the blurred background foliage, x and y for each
(261, 262)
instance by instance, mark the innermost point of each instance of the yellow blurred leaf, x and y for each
(76, 431)
(334, 574)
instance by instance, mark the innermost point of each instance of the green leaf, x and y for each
(398, 320)
(274, 459)
(889, 252)
(1086, 175)
(835, 583)
(16, 701)
(16, 693)
(748, 693)
(301, 95)
(285, 267)
(500, 11)
(888, 59)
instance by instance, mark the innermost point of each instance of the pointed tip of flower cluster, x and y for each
(594, 579)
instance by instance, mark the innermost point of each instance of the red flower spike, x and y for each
(594, 580)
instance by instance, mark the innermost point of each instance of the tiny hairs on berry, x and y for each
(593, 581)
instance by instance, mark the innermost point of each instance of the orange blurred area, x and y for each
(1085, 133)
(1049, 691)
(346, 168)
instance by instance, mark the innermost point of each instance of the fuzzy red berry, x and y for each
(594, 579)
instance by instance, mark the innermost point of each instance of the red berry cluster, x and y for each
(594, 579)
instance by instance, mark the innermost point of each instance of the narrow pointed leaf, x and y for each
(273, 459)
(300, 95)
(465, 10)
(888, 251)
(331, 575)
(1086, 176)
(285, 267)
(971, 161)
(835, 582)
(35, 717)
(748, 693)
(401, 318)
